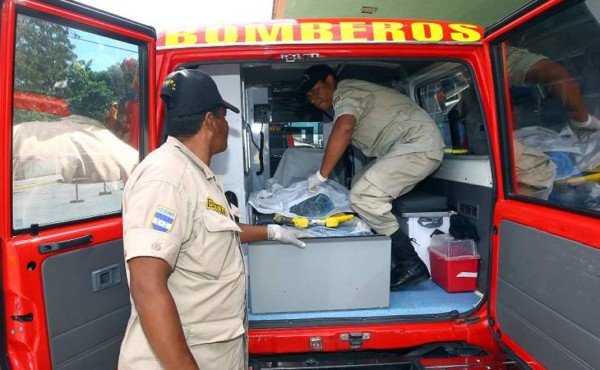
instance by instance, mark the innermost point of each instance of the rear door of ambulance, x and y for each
(546, 260)
(76, 116)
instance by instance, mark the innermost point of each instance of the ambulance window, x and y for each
(452, 103)
(553, 74)
(293, 135)
(75, 122)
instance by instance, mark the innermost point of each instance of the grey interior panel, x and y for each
(548, 289)
(87, 306)
(329, 274)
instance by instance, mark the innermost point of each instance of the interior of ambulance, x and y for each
(285, 137)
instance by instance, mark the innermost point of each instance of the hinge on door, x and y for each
(291, 58)
(355, 339)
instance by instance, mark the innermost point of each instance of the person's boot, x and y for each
(408, 273)
(408, 269)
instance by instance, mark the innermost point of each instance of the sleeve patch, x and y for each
(163, 219)
(337, 99)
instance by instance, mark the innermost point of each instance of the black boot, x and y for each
(408, 269)
(408, 273)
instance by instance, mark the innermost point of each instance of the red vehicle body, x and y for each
(535, 303)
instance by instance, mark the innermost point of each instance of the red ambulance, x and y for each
(80, 108)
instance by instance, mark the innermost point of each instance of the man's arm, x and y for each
(340, 138)
(158, 314)
(252, 233)
(562, 85)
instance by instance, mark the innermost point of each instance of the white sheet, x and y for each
(279, 199)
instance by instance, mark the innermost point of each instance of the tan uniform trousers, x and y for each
(228, 355)
(384, 180)
(534, 170)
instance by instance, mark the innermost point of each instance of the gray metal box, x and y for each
(329, 274)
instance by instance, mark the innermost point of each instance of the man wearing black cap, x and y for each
(182, 246)
(390, 127)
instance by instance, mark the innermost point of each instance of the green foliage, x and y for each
(88, 92)
(43, 52)
(20, 115)
(46, 63)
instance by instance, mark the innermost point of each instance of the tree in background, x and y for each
(46, 64)
(43, 52)
(88, 92)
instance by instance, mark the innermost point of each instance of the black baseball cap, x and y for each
(314, 74)
(188, 92)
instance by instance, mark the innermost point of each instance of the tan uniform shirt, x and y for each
(386, 121)
(518, 62)
(174, 208)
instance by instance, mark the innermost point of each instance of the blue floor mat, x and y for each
(423, 299)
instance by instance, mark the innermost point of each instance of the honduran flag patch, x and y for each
(163, 219)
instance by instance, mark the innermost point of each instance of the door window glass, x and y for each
(75, 122)
(452, 102)
(553, 75)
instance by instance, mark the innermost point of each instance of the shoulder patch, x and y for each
(164, 219)
(337, 99)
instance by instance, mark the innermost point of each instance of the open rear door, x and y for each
(76, 116)
(546, 260)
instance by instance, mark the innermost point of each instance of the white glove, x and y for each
(584, 130)
(287, 235)
(314, 181)
(592, 123)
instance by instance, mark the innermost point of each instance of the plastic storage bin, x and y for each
(454, 264)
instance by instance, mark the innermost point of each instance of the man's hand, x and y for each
(314, 181)
(583, 130)
(287, 235)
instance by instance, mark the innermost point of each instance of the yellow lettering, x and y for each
(211, 204)
(230, 35)
(260, 33)
(317, 31)
(464, 32)
(419, 31)
(180, 38)
(348, 31)
(382, 29)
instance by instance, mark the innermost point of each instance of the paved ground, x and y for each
(48, 200)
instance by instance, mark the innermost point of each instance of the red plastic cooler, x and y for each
(454, 264)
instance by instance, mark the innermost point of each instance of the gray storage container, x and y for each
(329, 274)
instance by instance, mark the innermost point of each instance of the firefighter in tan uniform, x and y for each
(525, 67)
(182, 246)
(405, 141)
(534, 169)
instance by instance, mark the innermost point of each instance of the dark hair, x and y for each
(187, 126)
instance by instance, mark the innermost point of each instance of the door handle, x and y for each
(106, 277)
(57, 246)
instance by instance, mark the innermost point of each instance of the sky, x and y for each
(176, 14)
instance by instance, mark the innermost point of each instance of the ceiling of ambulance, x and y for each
(482, 12)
